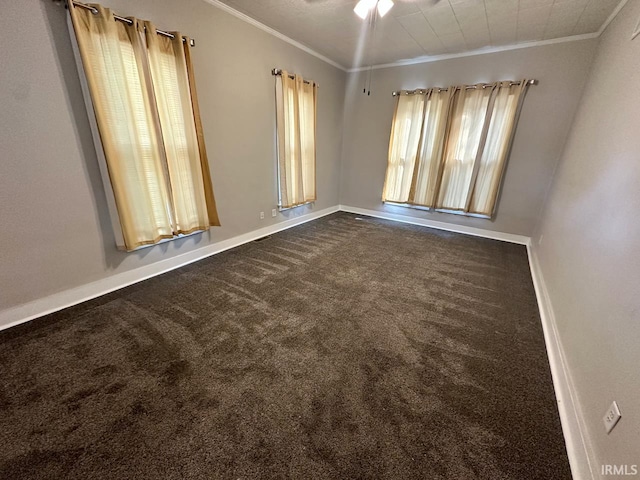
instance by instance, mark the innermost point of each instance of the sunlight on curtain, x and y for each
(212, 211)
(296, 103)
(114, 62)
(465, 137)
(497, 145)
(425, 181)
(403, 147)
(171, 86)
(449, 147)
(141, 93)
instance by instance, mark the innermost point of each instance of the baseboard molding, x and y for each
(579, 450)
(53, 303)
(449, 227)
(58, 301)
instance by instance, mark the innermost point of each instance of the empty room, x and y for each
(320, 239)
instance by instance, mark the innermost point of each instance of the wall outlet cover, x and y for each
(612, 417)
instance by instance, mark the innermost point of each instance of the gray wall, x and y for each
(57, 233)
(546, 118)
(590, 250)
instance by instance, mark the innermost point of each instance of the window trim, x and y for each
(284, 209)
(437, 210)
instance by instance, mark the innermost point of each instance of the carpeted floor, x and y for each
(343, 348)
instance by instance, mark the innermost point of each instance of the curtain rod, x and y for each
(94, 10)
(468, 87)
(278, 71)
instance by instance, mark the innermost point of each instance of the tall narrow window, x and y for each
(403, 149)
(193, 203)
(415, 148)
(496, 149)
(143, 96)
(449, 147)
(425, 181)
(296, 101)
(466, 128)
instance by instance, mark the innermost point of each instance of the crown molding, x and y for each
(417, 60)
(613, 15)
(481, 51)
(271, 31)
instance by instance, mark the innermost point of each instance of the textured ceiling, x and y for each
(415, 28)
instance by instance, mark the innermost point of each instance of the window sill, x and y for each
(164, 240)
(284, 209)
(438, 210)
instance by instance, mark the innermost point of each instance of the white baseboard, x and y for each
(44, 306)
(477, 232)
(58, 301)
(579, 450)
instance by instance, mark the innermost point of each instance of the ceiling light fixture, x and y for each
(364, 7)
(384, 6)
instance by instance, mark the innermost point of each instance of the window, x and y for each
(449, 147)
(142, 93)
(296, 101)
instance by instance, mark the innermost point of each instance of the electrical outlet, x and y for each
(612, 417)
(274, 213)
(261, 215)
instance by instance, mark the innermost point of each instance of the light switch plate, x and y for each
(612, 417)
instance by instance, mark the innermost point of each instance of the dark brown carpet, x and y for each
(339, 349)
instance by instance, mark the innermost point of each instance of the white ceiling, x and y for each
(417, 28)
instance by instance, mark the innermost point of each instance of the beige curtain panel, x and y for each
(466, 127)
(492, 163)
(425, 181)
(449, 147)
(417, 135)
(296, 103)
(403, 149)
(143, 95)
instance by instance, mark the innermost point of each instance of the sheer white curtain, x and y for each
(141, 96)
(296, 104)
